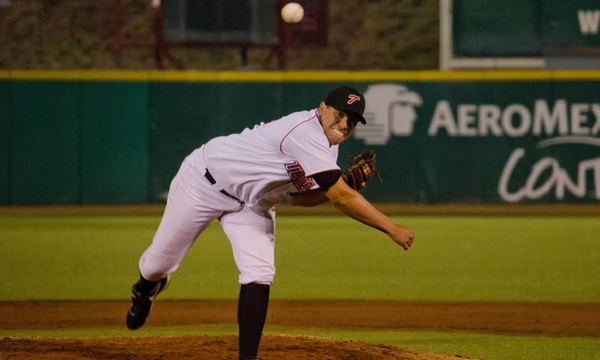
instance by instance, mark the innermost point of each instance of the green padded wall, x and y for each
(114, 142)
(530, 139)
(4, 142)
(45, 142)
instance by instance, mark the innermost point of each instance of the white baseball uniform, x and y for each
(238, 179)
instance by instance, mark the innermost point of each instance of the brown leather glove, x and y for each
(361, 170)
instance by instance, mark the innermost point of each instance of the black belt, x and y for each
(212, 180)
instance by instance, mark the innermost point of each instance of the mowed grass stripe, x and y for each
(330, 257)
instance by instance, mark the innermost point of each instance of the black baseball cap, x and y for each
(347, 99)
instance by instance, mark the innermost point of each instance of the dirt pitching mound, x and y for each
(279, 347)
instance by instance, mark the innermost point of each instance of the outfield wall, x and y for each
(525, 28)
(106, 137)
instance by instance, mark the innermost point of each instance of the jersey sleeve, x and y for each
(307, 143)
(327, 179)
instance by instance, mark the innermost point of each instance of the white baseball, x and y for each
(292, 13)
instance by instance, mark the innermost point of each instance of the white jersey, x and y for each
(263, 164)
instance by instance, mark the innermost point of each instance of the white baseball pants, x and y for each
(194, 202)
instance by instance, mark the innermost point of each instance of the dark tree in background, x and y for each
(77, 34)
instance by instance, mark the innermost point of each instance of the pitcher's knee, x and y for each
(153, 267)
(257, 274)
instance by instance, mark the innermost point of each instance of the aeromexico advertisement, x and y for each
(488, 142)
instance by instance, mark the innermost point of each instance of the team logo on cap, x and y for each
(352, 98)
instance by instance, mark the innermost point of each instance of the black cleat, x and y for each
(142, 303)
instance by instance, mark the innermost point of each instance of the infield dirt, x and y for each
(517, 318)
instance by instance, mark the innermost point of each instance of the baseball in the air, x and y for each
(292, 13)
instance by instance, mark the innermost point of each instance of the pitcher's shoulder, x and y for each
(300, 116)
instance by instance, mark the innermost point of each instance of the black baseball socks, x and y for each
(252, 313)
(145, 286)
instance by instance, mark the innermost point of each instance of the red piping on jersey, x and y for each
(281, 143)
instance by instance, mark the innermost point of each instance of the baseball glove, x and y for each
(361, 170)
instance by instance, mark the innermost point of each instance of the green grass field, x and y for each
(551, 259)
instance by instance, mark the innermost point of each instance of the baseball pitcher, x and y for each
(238, 179)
